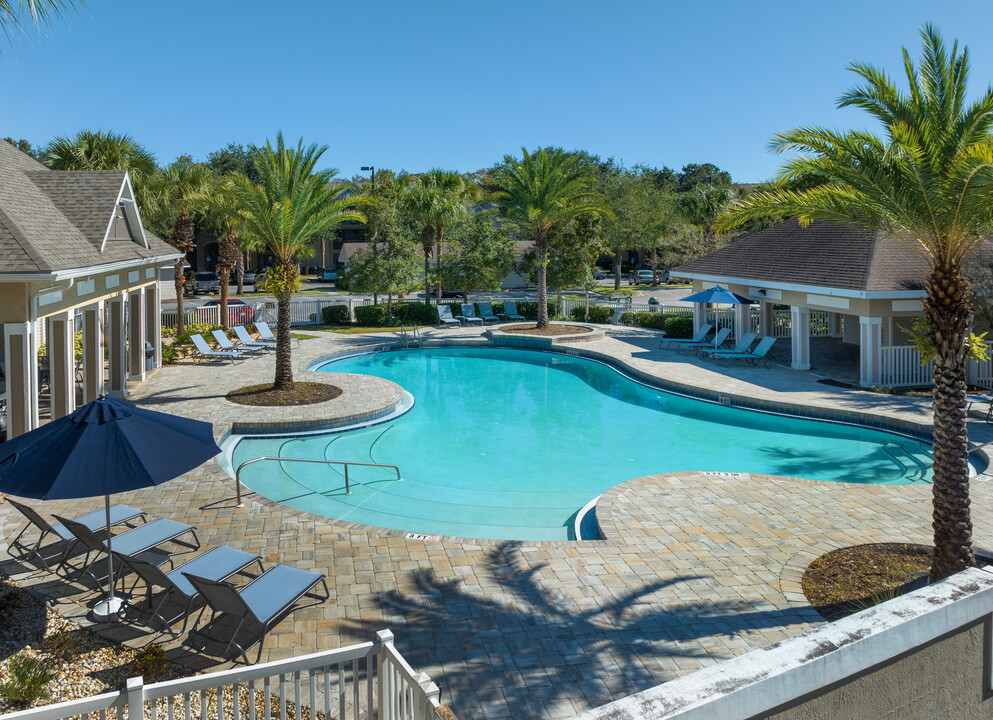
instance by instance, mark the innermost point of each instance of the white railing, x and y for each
(901, 367)
(368, 681)
(208, 315)
(302, 312)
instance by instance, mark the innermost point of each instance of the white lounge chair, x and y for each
(703, 332)
(204, 352)
(445, 316)
(753, 358)
(266, 334)
(469, 314)
(222, 339)
(245, 339)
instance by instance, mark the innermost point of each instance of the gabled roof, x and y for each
(62, 220)
(822, 255)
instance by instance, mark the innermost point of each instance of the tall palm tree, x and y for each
(928, 181)
(104, 150)
(437, 200)
(291, 203)
(41, 12)
(540, 194)
(176, 194)
(223, 215)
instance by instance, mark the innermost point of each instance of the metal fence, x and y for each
(368, 681)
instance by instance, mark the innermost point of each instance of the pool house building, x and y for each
(863, 289)
(74, 258)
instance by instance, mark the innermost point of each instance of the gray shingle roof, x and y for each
(57, 220)
(823, 254)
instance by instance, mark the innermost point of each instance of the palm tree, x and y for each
(223, 215)
(100, 150)
(928, 181)
(176, 194)
(540, 194)
(290, 204)
(437, 200)
(41, 12)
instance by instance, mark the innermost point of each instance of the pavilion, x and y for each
(74, 256)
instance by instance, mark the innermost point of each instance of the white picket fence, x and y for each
(901, 367)
(208, 315)
(368, 681)
(302, 312)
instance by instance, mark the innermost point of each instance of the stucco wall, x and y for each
(945, 679)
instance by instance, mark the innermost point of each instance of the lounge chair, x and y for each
(510, 311)
(132, 543)
(266, 334)
(204, 351)
(245, 339)
(258, 606)
(703, 332)
(742, 346)
(222, 339)
(988, 399)
(445, 316)
(486, 313)
(216, 564)
(95, 521)
(714, 344)
(753, 358)
(469, 314)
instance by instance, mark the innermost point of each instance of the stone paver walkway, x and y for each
(695, 568)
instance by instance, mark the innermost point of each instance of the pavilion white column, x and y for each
(742, 320)
(136, 335)
(765, 319)
(835, 319)
(61, 363)
(153, 322)
(116, 342)
(870, 354)
(800, 336)
(699, 316)
(93, 361)
(21, 373)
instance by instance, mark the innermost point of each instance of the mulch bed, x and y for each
(302, 393)
(550, 330)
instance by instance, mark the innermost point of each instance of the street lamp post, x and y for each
(371, 169)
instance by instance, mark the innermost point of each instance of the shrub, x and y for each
(28, 678)
(402, 314)
(150, 662)
(598, 314)
(336, 315)
(530, 310)
(679, 327)
(169, 354)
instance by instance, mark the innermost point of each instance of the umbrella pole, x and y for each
(109, 607)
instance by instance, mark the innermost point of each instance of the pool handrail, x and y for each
(346, 463)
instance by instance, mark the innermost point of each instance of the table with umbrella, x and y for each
(105, 447)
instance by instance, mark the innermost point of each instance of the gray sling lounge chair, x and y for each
(753, 358)
(95, 521)
(132, 542)
(469, 314)
(742, 346)
(486, 313)
(245, 339)
(216, 564)
(445, 316)
(714, 344)
(703, 332)
(510, 311)
(259, 606)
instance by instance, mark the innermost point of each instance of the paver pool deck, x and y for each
(696, 568)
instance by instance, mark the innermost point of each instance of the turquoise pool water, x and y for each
(509, 444)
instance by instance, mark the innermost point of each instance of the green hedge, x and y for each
(402, 314)
(336, 315)
(598, 314)
(530, 310)
(680, 326)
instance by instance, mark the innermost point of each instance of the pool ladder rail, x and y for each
(346, 463)
(408, 337)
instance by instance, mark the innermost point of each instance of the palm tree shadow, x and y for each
(530, 643)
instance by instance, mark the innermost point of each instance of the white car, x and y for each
(645, 276)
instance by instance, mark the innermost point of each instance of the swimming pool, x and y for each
(509, 444)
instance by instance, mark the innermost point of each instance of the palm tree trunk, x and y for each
(437, 264)
(949, 311)
(177, 282)
(284, 364)
(541, 254)
(427, 270)
(239, 273)
(617, 270)
(224, 275)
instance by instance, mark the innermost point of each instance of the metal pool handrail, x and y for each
(346, 463)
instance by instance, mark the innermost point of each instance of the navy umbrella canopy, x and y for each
(107, 446)
(718, 295)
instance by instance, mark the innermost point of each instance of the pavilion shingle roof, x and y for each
(823, 254)
(57, 220)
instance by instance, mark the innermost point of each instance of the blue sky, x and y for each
(459, 84)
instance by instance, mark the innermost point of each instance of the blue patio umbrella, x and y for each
(718, 295)
(106, 446)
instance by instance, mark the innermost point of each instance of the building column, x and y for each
(116, 343)
(742, 321)
(835, 320)
(800, 336)
(21, 373)
(765, 319)
(699, 316)
(153, 322)
(136, 335)
(870, 353)
(93, 361)
(61, 363)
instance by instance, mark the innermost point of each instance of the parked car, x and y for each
(249, 278)
(207, 283)
(329, 275)
(239, 312)
(645, 276)
(599, 274)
